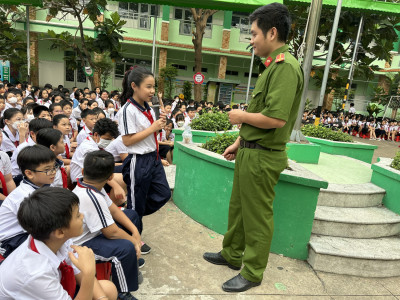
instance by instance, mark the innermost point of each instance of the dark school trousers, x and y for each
(146, 182)
(9, 245)
(122, 255)
(251, 219)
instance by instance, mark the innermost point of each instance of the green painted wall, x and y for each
(203, 192)
(303, 153)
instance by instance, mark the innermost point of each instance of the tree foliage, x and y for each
(107, 37)
(168, 75)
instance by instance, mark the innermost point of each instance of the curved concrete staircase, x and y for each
(354, 234)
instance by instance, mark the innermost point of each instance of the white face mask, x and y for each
(29, 118)
(13, 100)
(180, 123)
(103, 143)
(16, 124)
(111, 110)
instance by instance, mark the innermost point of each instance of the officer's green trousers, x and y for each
(250, 221)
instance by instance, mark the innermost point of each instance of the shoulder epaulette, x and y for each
(280, 58)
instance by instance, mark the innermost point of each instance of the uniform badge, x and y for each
(268, 61)
(280, 57)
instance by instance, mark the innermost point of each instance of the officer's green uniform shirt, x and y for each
(277, 94)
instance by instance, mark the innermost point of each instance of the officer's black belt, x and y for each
(253, 145)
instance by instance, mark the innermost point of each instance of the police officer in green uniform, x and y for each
(260, 150)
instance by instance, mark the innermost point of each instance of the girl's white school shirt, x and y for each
(131, 120)
(8, 141)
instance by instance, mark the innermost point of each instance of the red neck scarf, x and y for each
(68, 281)
(3, 184)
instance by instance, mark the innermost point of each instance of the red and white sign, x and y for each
(198, 78)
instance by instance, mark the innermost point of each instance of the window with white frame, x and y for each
(137, 15)
(127, 63)
(241, 21)
(186, 26)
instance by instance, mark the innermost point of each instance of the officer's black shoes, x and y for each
(218, 259)
(238, 284)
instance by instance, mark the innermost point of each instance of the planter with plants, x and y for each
(386, 174)
(203, 186)
(204, 127)
(338, 143)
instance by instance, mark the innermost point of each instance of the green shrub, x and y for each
(326, 133)
(396, 162)
(220, 142)
(212, 122)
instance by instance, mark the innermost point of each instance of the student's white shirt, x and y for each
(173, 105)
(83, 134)
(9, 225)
(372, 125)
(188, 121)
(352, 110)
(15, 168)
(76, 112)
(5, 163)
(8, 105)
(94, 205)
(58, 180)
(67, 143)
(47, 104)
(131, 120)
(74, 125)
(26, 274)
(100, 103)
(162, 136)
(117, 147)
(385, 127)
(360, 123)
(8, 140)
(76, 165)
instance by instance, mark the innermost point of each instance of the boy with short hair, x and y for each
(37, 164)
(89, 117)
(191, 115)
(76, 112)
(119, 244)
(44, 267)
(41, 112)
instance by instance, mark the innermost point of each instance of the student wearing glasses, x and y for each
(38, 165)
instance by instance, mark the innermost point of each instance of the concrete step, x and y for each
(351, 195)
(170, 174)
(358, 257)
(365, 222)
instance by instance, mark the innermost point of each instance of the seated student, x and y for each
(77, 111)
(61, 123)
(55, 109)
(57, 97)
(27, 111)
(371, 128)
(191, 115)
(109, 110)
(34, 126)
(67, 110)
(11, 99)
(44, 98)
(100, 113)
(180, 120)
(27, 100)
(114, 97)
(53, 139)
(14, 130)
(104, 132)
(89, 117)
(6, 179)
(167, 109)
(2, 105)
(166, 142)
(393, 131)
(41, 112)
(93, 104)
(39, 268)
(37, 163)
(119, 151)
(118, 244)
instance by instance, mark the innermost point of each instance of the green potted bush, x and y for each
(338, 143)
(386, 174)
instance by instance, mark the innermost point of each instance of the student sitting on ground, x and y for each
(44, 266)
(42, 112)
(14, 130)
(118, 244)
(77, 111)
(34, 126)
(61, 123)
(67, 110)
(104, 132)
(37, 163)
(89, 117)
(119, 151)
(6, 179)
(53, 139)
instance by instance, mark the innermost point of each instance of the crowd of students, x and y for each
(379, 129)
(81, 169)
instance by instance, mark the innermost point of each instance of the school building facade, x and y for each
(226, 57)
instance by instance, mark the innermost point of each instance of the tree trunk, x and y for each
(394, 113)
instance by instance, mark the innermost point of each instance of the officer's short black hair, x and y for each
(98, 166)
(36, 124)
(45, 210)
(273, 15)
(38, 110)
(104, 126)
(31, 157)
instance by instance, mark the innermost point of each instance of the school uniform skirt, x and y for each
(146, 182)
